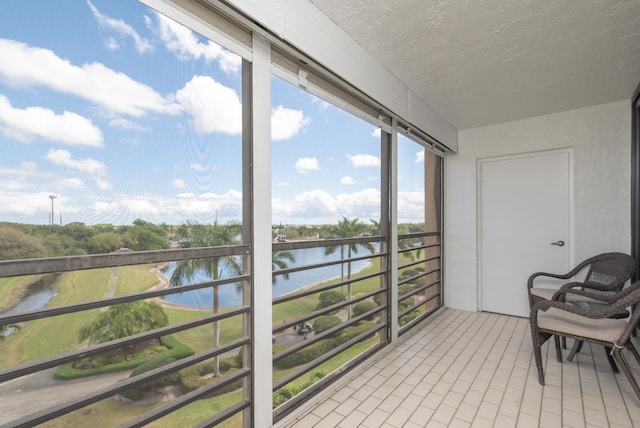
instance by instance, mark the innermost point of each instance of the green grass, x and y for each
(111, 412)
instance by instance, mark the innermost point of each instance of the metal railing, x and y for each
(14, 268)
(422, 294)
(336, 349)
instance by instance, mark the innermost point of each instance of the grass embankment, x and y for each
(12, 290)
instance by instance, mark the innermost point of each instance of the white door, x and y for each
(525, 214)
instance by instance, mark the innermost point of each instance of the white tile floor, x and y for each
(466, 369)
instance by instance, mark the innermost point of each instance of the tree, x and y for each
(16, 244)
(279, 260)
(195, 234)
(143, 236)
(104, 242)
(348, 229)
(124, 320)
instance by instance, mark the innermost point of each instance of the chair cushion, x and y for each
(605, 330)
(547, 294)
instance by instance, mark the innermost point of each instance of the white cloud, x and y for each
(93, 168)
(377, 132)
(347, 180)
(213, 107)
(122, 28)
(197, 167)
(66, 128)
(178, 38)
(112, 44)
(411, 207)
(126, 124)
(286, 123)
(307, 164)
(420, 156)
(179, 183)
(282, 184)
(115, 92)
(364, 160)
(320, 207)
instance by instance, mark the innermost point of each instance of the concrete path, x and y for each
(38, 391)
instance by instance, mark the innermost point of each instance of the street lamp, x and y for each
(52, 197)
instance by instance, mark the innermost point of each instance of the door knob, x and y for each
(559, 243)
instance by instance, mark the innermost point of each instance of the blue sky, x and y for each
(122, 114)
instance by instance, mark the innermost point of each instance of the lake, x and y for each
(229, 297)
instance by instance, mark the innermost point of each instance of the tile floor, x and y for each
(466, 369)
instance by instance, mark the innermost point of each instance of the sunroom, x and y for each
(292, 203)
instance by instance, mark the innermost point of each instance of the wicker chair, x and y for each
(605, 274)
(560, 319)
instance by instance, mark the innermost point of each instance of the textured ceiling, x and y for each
(479, 62)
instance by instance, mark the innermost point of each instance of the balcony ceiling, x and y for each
(491, 61)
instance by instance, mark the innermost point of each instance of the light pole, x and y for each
(52, 197)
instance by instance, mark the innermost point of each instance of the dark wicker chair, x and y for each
(605, 274)
(560, 319)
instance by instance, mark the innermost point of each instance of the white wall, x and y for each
(601, 139)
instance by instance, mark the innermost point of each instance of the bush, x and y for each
(408, 318)
(285, 393)
(321, 347)
(329, 298)
(325, 322)
(229, 363)
(409, 272)
(363, 307)
(404, 289)
(136, 392)
(177, 350)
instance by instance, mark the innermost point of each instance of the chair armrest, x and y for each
(584, 289)
(547, 274)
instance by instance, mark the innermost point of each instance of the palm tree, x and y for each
(195, 234)
(279, 260)
(348, 229)
(125, 319)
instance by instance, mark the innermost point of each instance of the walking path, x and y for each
(39, 391)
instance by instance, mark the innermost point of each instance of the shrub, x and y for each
(409, 272)
(363, 307)
(285, 393)
(136, 392)
(329, 298)
(325, 322)
(177, 350)
(404, 289)
(321, 347)
(408, 318)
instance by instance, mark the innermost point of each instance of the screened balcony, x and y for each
(228, 138)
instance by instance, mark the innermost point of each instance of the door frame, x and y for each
(571, 238)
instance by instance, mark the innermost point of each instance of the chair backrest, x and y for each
(611, 270)
(630, 297)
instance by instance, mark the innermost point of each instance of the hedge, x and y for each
(321, 347)
(177, 350)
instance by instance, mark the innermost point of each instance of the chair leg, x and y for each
(612, 361)
(538, 340)
(556, 339)
(622, 362)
